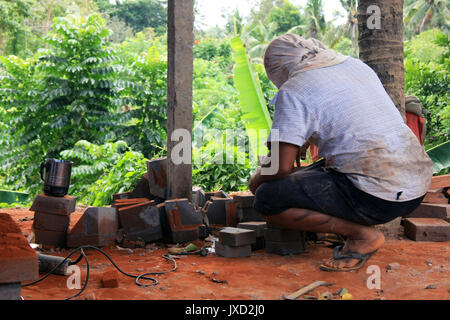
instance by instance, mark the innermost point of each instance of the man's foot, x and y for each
(367, 241)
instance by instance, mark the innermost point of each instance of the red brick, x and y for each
(18, 261)
(54, 205)
(431, 210)
(437, 196)
(427, 229)
(438, 182)
(50, 238)
(110, 279)
(51, 222)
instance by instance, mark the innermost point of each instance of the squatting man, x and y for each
(373, 168)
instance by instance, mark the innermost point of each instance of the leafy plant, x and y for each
(440, 155)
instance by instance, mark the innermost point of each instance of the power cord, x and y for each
(83, 256)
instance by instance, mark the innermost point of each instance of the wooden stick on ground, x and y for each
(304, 290)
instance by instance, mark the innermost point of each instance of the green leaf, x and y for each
(251, 99)
(440, 155)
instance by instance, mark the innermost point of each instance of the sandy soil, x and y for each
(424, 273)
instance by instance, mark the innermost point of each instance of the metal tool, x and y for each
(47, 263)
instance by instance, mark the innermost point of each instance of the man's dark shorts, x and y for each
(328, 191)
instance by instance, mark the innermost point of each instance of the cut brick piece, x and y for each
(244, 199)
(141, 222)
(216, 212)
(248, 214)
(237, 237)
(50, 238)
(226, 251)
(157, 176)
(217, 194)
(18, 262)
(10, 291)
(198, 197)
(282, 235)
(51, 222)
(182, 220)
(110, 279)
(427, 229)
(438, 182)
(54, 205)
(437, 196)
(257, 226)
(97, 227)
(231, 213)
(430, 210)
(142, 189)
(285, 248)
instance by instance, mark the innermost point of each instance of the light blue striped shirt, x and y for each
(346, 112)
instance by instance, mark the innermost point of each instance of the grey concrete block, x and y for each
(244, 199)
(248, 214)
(285, 248)
(141, 222)
(257, 226)
(281, 235)
(232, 252)
(157, 176)
(10, 291)
(216, 211)
(259, 244)
(237, 237)
(198, 197)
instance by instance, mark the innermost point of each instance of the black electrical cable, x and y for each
(83, 256)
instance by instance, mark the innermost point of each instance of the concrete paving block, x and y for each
(51, 222)
(237, 237)
(50, 238)
(141, 222)
(281, 235)
(257, 226)
(198, 197)
(435, 196)
(427, 229)
(157, 176)
(97, 227)
(248, 214)
(285, 248)
(226, 251)
(430, 210)
(54, 205)
(183, 221)
(216, 212)
(244, 199)
(10, 291)
(18, 261)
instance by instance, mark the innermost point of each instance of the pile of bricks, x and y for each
(258, 227)
(52, 219)
(284, 241)
(18, 262)
(235, 242)
(430, 221)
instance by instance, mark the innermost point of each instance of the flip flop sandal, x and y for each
(363, 258)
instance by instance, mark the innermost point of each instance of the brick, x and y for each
(282, 235)
(50, 238)
(182, 221)
(259, 244)
(217, 194)
(437, 196)
(198, 197)
(248, 214)
(157, 176)
(10, 291)
(18, 261)
(141, 222)
(226, 251)
(286, 247)
(447, 193)
(231, 214)
(142, 189)
(122, 195)
(131, 202)
(427, 229)
(216, 212)
(51, 222)
(54, 205)
(438, 182)
(244, 199)
(237, 237)
(110, 279)
(257, 226)
(97, 227)
(430, 210)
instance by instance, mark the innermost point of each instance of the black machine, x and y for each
(56, 177)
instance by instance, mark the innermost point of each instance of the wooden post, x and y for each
(179, 82)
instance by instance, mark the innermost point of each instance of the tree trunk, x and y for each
(381, 47)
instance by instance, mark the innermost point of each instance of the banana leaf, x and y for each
(440, 156)
(255, 114)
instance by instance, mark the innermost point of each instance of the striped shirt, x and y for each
(345, 111)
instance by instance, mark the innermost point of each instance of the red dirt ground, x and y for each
(260, 277)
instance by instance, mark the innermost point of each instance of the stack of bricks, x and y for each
(235, 242)
(284, 241)
(245, 212)
(18, 262)
(52, 219)
(430, 221)
(258, 227)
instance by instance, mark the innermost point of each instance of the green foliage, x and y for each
(211, 50)
(428, 80)
(99, 171)
(440, 155)
(285, 17)
(12, 29)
